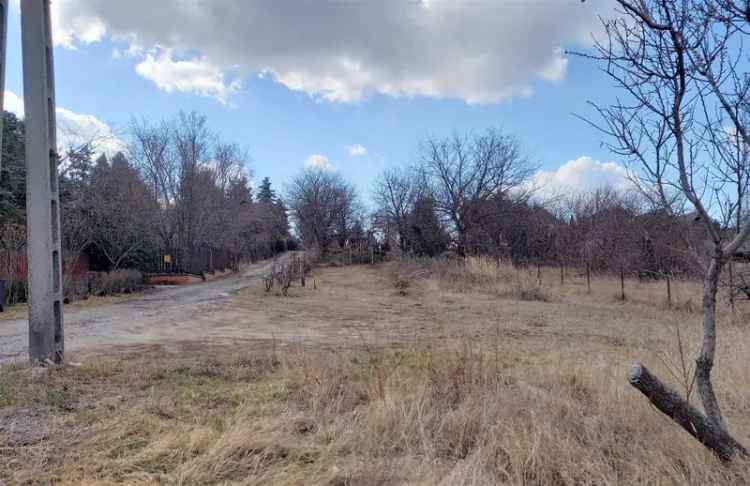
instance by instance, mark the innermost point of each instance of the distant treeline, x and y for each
(176, 188)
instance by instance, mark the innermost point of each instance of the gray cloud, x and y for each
(477, 51)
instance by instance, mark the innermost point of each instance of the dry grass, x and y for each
(530, 283)
(403, 416)
(472, 276)
(21, 311)
(489, 390)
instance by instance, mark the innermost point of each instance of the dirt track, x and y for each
(165, 315)
(345, 307)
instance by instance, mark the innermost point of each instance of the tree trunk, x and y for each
(667, 401)
(705, 361)
(539, 275)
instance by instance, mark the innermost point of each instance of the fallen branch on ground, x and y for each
(671, 404)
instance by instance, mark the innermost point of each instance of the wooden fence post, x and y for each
(562, 275)
(731, 285)
(588, 277)
(669, 291)
(622, 282)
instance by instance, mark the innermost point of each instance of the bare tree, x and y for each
(323, 206)
(152, 151)
(190, 173)
(396, 191)
(468, 169)
(679, 64)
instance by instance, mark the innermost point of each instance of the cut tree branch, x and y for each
(694, 422)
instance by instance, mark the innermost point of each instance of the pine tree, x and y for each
(265, 193)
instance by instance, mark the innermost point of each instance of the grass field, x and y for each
(21, 311)
(430, 374)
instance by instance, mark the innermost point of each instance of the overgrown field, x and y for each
(472, 375)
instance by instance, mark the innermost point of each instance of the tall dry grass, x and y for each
(463, 416)
(477, 274)
(470, 275)
(472, 411)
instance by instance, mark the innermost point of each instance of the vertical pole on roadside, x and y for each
(3, 57)
(731, 285)
(669, 291)
(588, 277)
(622, 282)
(46, 340)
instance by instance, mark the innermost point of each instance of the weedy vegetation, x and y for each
(537, 398)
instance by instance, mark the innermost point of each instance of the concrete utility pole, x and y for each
(3, 45)
(42, 195)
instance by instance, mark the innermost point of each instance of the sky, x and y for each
(350, 86)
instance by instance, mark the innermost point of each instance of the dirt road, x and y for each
(163, 315)
(345, 307)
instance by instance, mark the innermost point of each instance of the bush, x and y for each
(16, 293)
(118, 281)
(470, 275)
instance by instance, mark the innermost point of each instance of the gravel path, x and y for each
(159, 316)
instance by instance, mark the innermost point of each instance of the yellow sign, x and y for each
(167, 259)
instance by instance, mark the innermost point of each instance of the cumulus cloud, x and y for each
(13, 103)
(319, 162)
(74, 129)
(580, 175)
(357, 150)
(343, 51)
(196, 75)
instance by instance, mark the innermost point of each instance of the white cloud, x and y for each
(556, 70)
(188, 76)
(13, 103)
(581, 175)
(74, 129)
(357, 150)
(319, 162)
(478, 52)
(86, 27)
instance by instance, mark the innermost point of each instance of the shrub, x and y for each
(16, 293)
(118, 281)
(470, 275)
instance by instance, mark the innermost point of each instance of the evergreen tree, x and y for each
(265, 193)
(13, 174)
(427, 235)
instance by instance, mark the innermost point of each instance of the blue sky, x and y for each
(308, 86)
